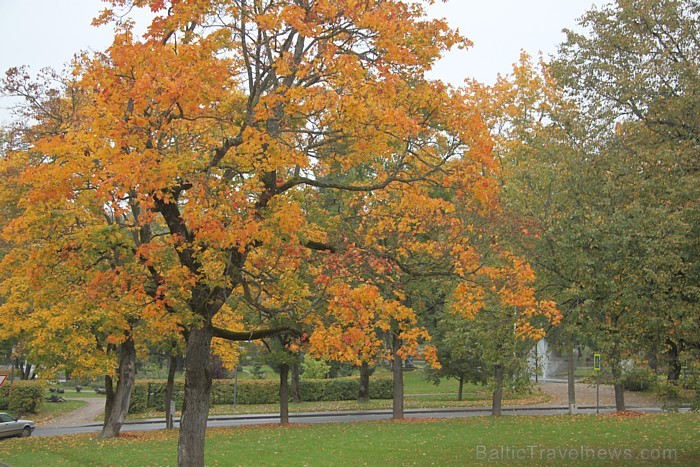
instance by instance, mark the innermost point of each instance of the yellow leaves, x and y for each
(360, 318)
(468, 299)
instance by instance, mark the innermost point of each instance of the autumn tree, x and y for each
(221, 125)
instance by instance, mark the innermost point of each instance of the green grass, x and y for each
(440, 442)
(50, 410)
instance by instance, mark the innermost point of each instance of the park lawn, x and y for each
(468, 441)
(51, 410)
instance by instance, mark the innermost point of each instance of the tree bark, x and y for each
(109, 395)
(169, 389)
(674, 365)
(284, 394)
(571, 381)
(296, 391)
(460, 391)
(195, 408)
(616, 370)
(397, 405)
(497, 400)
(363, 391)
(119, 407)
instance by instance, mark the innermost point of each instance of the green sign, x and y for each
(596, 362)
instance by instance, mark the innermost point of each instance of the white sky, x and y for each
(41, 33)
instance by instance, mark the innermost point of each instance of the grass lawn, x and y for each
(50, 410)
(583, 439)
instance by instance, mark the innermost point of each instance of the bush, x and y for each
(4, 397)
(639, 379)
(22, 397)
(138, 402)
(312, 368)
(151, 394)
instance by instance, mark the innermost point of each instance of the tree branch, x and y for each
(240, 336)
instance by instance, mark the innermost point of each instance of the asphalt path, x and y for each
(335, 417)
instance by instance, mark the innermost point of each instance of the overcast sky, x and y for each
(41, 33)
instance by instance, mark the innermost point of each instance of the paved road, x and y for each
(82, 421)
(332, 417)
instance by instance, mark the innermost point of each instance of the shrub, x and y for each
(639, 379)
(312, 368)
(151, 394)
(22, 397)
(138, 402)
(4, 397)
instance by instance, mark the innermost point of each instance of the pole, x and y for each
(235, 385)
(597, 397)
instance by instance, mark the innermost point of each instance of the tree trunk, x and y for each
(169, 389)
(296, 391)
(25, 369)
(284, 394)
(571, 381)
(109, 396)
(460, 391)
(195, 410)
(397, 405)
(363, 391)
(120, 403)
(619, 388)
(674, 365)
(497, 400)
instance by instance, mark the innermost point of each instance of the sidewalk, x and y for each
(586, 395)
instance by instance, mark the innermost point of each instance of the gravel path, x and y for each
(586, 395)
(82, 416)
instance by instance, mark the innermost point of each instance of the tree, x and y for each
(220, 127)
(459, 353)
(601, 151)
(637, 73)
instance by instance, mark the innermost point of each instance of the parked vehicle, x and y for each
(10, 426)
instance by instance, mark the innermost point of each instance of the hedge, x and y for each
(151, 394)
(22, 397)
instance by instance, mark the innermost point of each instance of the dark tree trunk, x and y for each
(24, 368)
(397, 405)
(284, 394)
(571, 381)
(460, 391)
(363, 391)
(619, 388)
(169, 389)
(497, 400)
(619, 397)
(296, 391)
(119, 407)
(195, 408)
(109, 396)
(674, 364)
